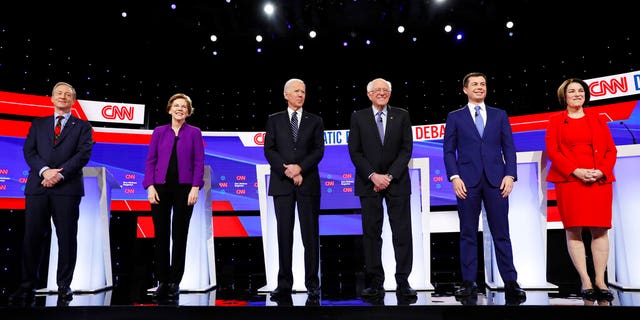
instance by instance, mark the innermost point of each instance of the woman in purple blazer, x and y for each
(173, 176)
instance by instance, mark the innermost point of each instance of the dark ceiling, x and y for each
(156, 51)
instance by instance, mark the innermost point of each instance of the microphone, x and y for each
(633, 138)
(566, 121)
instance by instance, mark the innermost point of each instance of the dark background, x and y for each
(155, 52)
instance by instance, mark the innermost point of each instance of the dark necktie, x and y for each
(294, 126)
(57, 129)
(380, 125)
(479, 122)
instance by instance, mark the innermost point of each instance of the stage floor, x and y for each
(338, 301)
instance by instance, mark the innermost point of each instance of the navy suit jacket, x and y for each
(71, 153)
(307, 151)
(369, 155)
(467, 154)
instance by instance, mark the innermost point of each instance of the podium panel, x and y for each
(420, 208)
(200, 263)
(93, 266)
(527, 227)
(624, 253)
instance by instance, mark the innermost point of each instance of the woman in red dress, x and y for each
(582, 154)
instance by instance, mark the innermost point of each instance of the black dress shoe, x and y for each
(65, 293)
(513, 293)
(373, 292)
(313, 293)
(22, 295)
(603, 294)
(313, 299)
(406, 291)
(161, 291)
(405, 300)
(468, 288)
(173, 291)
(280, 294)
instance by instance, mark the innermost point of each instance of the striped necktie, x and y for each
(294, 126)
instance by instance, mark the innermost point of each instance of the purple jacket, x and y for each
(190, 151)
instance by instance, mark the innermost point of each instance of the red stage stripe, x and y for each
(12, 203)
(145, 228)
(228, 227)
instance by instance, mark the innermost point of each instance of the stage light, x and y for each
(448, 28)
(269, 9)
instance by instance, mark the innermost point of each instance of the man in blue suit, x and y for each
(56, 149)
(480, 159)
(293, 146)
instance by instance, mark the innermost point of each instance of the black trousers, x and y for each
(40, 210)
(399, 212)
(171, 217)
(308, 210)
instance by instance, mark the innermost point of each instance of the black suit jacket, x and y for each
(369, 155)
(72, 153)
(279, 149)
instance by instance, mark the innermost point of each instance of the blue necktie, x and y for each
(294, 126)
(479, 122)
(380, 125)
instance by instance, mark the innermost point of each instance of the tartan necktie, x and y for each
(294, 126)
(57, 129)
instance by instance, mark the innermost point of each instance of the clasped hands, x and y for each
(292, 171)
(51, 177)
(380, 181)
(588, 175)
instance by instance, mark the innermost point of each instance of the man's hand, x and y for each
(459, 188)
(292, 170)
(51, 177)
(506, 186)
(380, 181)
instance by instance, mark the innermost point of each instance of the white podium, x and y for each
(527, 227)
(420, 278)
(624, 253)
(200, 260)
(93, 265)
(200, 263)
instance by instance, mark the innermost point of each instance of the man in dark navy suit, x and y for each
(380, 147)
(293, 146)
(56, 149)
(480, 159)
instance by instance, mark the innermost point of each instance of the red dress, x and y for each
(580, 204)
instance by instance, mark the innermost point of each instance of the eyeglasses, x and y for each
(380, 90)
